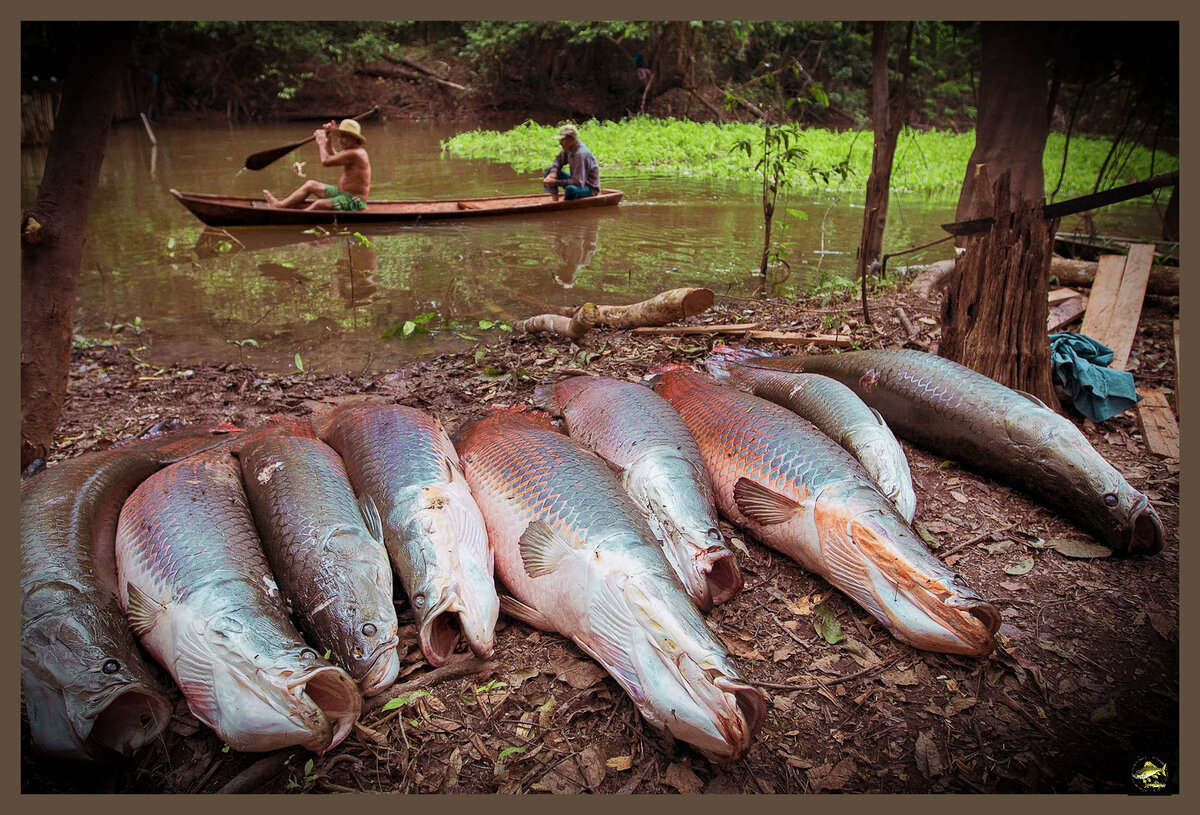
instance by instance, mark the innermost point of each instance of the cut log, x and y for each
(1159, 428)
(664, 307)
(1163, 281)
(934, 279)
(1116, 302)
(572, 328)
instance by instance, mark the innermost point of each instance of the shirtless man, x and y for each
(355, 184)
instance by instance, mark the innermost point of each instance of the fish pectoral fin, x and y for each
(526, 614)
(144, 610)
(371, 518)
(878, 416)
(762, 504)
(542, 549)
(194, 675)
(1032, 398)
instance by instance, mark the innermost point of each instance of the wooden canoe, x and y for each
(231, 210)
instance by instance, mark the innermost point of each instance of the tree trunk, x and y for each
(995, 310)
(1011, 126)
(54, 227)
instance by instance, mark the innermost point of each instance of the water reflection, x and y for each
(332, 295)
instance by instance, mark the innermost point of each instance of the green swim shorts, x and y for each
(344, 201)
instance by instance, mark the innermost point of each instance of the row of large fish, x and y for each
(257, 566)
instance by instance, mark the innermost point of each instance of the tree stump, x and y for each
(995, 310)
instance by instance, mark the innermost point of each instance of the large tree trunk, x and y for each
(995, 310)
(53, 228)
(1011, 126)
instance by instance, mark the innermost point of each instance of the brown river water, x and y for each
(269, 294)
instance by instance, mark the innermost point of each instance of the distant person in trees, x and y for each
(355, 184)
(584, 178)
(639, 63)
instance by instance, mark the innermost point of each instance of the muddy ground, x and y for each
(1084, 682)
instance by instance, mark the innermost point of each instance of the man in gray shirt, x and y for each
(584, 178)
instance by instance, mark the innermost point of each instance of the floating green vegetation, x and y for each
(930, 161)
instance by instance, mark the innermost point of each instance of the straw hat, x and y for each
(351, 127)
(567, 132)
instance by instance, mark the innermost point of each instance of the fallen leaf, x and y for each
(960, 703)
(827, 625)
(906, 677)
(923, 531)
(832, 778)
(578, 673)
(1024, 567)
(741, 547)
(1162, 623)
(1077, 548)
(593, 766)
(1105, 713)
(566, 779)
(620, 763)
(740, 649)
(999, 547)
(1011, 586)
(681, 777)
(929, 761)
(783, 653)
(958, 496)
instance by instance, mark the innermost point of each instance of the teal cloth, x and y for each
(1080, 368)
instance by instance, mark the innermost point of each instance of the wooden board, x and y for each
(1066, 306)
(1159, 428)
(733, 328)
(1177, 402)
(793, 338)
(1116, 302)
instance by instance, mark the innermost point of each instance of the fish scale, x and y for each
(777, 475)
(402, 458)
(962, 414)
(329, 565)
(660, 467)
(86, 686)
(201, 597)
(579, 559)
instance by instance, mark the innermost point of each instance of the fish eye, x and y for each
(308, 653)
(369, 629)
(231, 625)
(111, 666)
(419, 601)
(1110, 499)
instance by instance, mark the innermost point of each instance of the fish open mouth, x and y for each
(1147, 536)
(724, 578)
(439, 635)
(334, 692)
(131, 720)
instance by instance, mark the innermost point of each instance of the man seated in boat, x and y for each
(354, 185)
(584, 178)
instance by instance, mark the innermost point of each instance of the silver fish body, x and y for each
(89, 692)
(579, 559)
(200, 595)
(835, 409)
(435, 536)
(778, 476)
(643, 439)
(962, 414)
(326, 552)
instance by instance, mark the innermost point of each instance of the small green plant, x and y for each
(241, 344)
(299, 363)
(403, 701)
(302, 780)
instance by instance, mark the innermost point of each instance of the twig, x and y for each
(958, 548)
(257, 774)
(878, 666)
(454, 670)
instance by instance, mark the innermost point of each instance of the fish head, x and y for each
(365, 614)
(682, 517)
(686, 683)
(1118, 515)
(874, 557)
(451, 584)
(261, 691)
(88, 693)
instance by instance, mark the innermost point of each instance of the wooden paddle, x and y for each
(263, 158)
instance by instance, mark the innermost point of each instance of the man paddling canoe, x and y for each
(352, 188)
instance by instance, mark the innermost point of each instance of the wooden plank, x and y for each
(1104, 298)
(734, 328)
(1177, 403)
(1124, 322)
(1058, 295)
(794, 338)
(1160, 431)
(1065, 312)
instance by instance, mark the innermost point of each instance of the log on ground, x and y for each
(664, 307)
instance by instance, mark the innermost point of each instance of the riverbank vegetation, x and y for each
(927, 161)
